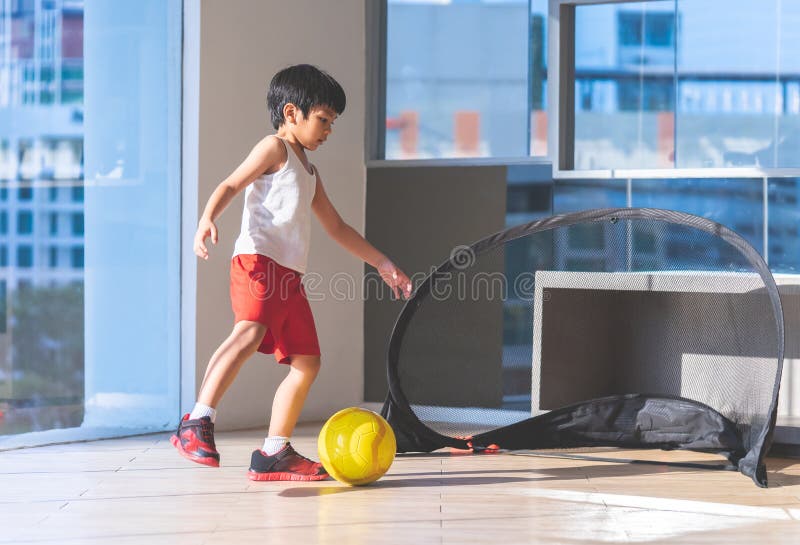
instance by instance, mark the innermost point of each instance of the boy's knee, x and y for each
(307, 364)
(250, 333)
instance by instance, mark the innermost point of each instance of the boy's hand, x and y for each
(205, 229)
(394, 278)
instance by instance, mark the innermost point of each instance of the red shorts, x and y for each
(266, 292)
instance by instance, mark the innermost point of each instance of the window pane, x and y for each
(457, 79)
(687, 83)
(624, 85)
(57, 370)
(77, 224)
(731, 86)
(735, 203)
(76, 257)
(24, 256)
(576, 195)
(784, 225)
(24, 222)
(133, 156)
(41, 354)
(537, 77)
(25, 193)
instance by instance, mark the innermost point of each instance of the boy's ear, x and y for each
(290, 112)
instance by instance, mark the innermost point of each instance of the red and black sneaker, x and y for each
(194, 440)
(284, 465)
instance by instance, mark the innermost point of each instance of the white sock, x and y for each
(273, 444)
(201, 410)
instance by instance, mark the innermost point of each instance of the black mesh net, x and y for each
(627, 327)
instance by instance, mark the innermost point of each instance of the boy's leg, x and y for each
(194, 438)
(286, 464)
(226, 362)
(291, 395)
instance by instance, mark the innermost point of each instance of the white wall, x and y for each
(242, 43)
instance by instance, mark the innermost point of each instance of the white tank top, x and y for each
(276, 221)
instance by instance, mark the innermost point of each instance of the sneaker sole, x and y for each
(211, 462)
(279, 476)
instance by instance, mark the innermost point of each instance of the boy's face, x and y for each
(312, 131)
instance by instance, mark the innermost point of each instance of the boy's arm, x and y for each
(357, 245)
(264, 158)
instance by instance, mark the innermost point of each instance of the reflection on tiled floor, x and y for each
(138, 490)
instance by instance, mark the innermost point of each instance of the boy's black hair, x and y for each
(305, 86)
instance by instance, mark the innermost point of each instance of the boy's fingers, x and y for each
(213, 234)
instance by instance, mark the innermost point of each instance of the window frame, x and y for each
(376, 26)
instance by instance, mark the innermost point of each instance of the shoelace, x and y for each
(206, 434)
(291, 448)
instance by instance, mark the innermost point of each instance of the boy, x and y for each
(271, 311)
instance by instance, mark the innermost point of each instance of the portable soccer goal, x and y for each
(634, 328)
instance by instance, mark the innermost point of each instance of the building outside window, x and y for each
(56, 369)
(465, 79)
(77, 223)
(25, 256)
(24, 222)
(76, 257)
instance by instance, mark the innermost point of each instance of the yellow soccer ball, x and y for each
(356, 446)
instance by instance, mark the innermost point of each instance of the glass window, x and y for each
(25, 256)
(737, 73)
(76, 257)
(736, 203)
(576, 195)
(639, 29)
(3, 222)
(537, 77)
(24, 222)
(687, 84)
(3, 301)
(458, 78)
(77, 223)
(624, 85)
(67, 159)
(56, 370)
(784, 225)
(25, 193)
(7, 167)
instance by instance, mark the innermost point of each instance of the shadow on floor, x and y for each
(613, 468)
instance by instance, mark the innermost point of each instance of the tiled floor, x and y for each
(138, 490)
